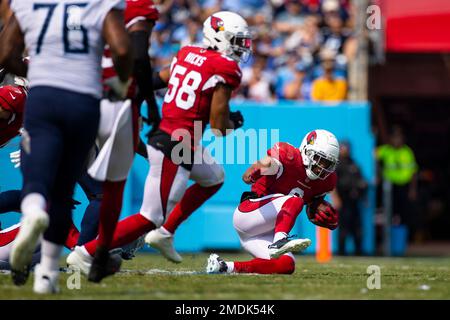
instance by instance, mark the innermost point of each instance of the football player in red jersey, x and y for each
(282, 183)
(118, 134)
(12, 103)
(200, 81)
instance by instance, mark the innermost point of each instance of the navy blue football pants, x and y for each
(89, 224)
(10, 201)
(60, 129)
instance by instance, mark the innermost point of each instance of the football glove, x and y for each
(255, 175)
(153, 120)
(22, 82)
(118, 88)
(250, 177)
(324, 217)
(237, 118)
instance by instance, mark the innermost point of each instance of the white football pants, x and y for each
(254, 221)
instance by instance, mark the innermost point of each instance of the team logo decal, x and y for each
(217, 24)
(311, 138)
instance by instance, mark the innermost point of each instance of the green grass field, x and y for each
(149, 276)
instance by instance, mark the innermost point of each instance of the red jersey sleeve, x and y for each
(284, 152)
(137, 10)
(228, 72)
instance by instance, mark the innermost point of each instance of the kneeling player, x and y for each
(282, 183)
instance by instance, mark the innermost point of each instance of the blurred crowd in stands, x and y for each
(301, 48)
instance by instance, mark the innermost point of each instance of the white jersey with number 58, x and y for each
(64, 41)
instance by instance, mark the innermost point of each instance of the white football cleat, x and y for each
(45, 282)
(33, 225)
(79, 260)
(285, 245)
(164, 243)
(216, 264)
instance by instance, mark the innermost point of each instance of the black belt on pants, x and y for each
(162, 141)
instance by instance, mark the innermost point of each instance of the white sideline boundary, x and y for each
(159, 272)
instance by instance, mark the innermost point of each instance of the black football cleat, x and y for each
(104, 265)
(286, 245)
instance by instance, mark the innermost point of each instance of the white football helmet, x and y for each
(228, 33)
(320, 154)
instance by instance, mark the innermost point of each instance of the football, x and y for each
(316, 205)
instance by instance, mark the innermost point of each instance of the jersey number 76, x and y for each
(72, 27)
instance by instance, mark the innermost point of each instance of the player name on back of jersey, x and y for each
(195, 59)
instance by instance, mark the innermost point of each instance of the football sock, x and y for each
(110, 211)
(288, 214)
(230, 266)
(281, 265)
(279, 235)
(192, 199)
(50, 253)
(126, 232)
(72, 238)
(165, 232)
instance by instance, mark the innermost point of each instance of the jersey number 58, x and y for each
(183, 94)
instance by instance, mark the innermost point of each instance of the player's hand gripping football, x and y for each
(321, 213)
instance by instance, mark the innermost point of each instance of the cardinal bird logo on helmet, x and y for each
(217, 24)
(311, 138)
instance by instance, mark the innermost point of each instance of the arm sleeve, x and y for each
(282, 151)
(142, 69)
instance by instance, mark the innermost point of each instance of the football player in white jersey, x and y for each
(65, 41)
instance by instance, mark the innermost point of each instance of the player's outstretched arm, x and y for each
(12, 47)
(118, 40)
(220, 110)
(264, 167)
